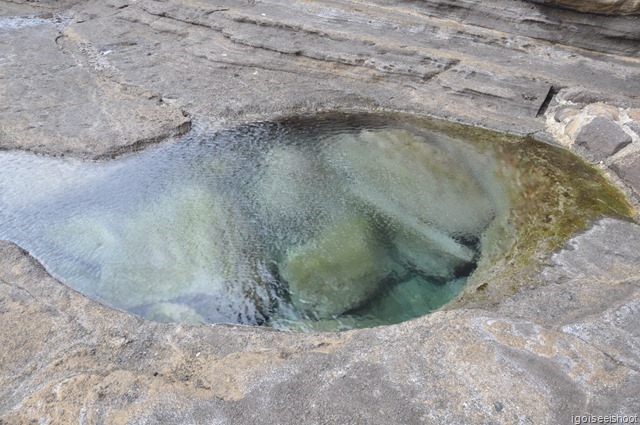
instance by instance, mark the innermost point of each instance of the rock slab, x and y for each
(628, 169)
(602, 138)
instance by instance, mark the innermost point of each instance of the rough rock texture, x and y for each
(629, 171)
(53, 103)
(568, 347)
(624, 7)
(93, 79)
(602, 138)
(141, 66)
(601, 126)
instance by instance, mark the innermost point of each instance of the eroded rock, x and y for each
(68, 359)
(622, 7)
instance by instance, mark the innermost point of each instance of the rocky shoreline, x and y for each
(94, 80)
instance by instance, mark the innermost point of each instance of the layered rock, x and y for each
(606, 7)
(564, 344)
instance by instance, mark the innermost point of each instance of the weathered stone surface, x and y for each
(73, 360)
(623, 7)
(52, 102)
(600, 109)
(634, 114)
(575, 125)
(583, 96)
(602, 138)
(565, 113)
(635, 126)
(547, 22)
(141, 67)
(628, 168)
(98, 77)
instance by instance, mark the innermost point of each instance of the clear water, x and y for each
(306, 224)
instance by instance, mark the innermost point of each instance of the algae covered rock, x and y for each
(337, 271)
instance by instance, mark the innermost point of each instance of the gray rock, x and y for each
(76, 107)
(607, 7)
(602, 138)
(628, 168)
(584, 95)
(603, 110)
(565, 113)
(579, 354)
(116, 77)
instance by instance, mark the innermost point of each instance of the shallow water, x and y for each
(324, 223)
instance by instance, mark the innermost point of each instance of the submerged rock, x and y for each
(187, 241)
(336, 272)
(172, 313)
(433, 254)
(294, 196)
(399, 174)
(414, 298)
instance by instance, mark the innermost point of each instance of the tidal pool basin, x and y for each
(329, 222)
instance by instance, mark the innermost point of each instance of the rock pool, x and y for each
(328, 222)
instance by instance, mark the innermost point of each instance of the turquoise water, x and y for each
(320, 223)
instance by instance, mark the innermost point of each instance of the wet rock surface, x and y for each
(98, 79)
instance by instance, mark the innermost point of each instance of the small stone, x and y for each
(565, 113)
(498, 406)
(634, 114)
(602, 138)
(628, 169)
(575, 125)
(603, 110)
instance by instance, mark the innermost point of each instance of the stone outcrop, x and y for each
(96, 79)
(607, 7)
